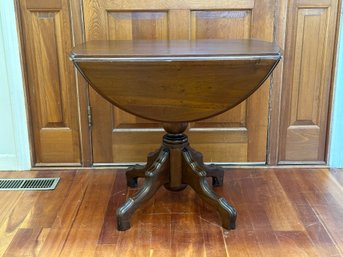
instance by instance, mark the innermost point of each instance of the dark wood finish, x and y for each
(283, 212)
(175, 165)
(181, 50)
(179, 81)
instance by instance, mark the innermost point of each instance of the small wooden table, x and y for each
(175, 82)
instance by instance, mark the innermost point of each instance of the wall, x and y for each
(14, 146)
(336, 145)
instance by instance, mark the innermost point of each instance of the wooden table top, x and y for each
(177, 80)
(174, 48)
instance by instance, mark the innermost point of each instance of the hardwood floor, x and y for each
(283, 212)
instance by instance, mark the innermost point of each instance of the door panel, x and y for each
(239, 135)
(50, 82)
(137, 25)
(221, 24)
(308, 63)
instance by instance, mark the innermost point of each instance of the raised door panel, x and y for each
(221, 24)
(50, 82)
(239, 135)
(306, 86)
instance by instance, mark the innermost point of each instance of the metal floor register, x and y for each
(29, 184)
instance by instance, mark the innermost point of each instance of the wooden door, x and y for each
(239, 135)
(309, 55)
(50, 82)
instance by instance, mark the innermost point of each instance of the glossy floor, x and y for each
(283, 212)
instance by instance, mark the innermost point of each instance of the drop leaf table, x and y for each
(175, 82)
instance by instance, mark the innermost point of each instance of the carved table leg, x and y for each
(138, 171)
(155, 176)
(194, 175)
(175, 166)
(212, 170)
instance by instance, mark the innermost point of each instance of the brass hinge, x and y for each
(89, 115)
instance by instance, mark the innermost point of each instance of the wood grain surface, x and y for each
(176, 80)
(50, 82)
(174, 48)
(282, 212)
(309, 58)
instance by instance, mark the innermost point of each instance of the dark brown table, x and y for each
(175, 82)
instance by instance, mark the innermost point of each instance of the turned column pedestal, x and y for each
(174, 166)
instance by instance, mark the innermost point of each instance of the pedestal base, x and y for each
(175, 165)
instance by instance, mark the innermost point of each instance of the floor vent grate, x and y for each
(29, 183)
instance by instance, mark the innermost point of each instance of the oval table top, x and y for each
(176, 80)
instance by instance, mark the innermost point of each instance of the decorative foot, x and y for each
(194, 174)
(156, 175)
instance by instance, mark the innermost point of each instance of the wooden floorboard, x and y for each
(281, 212)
